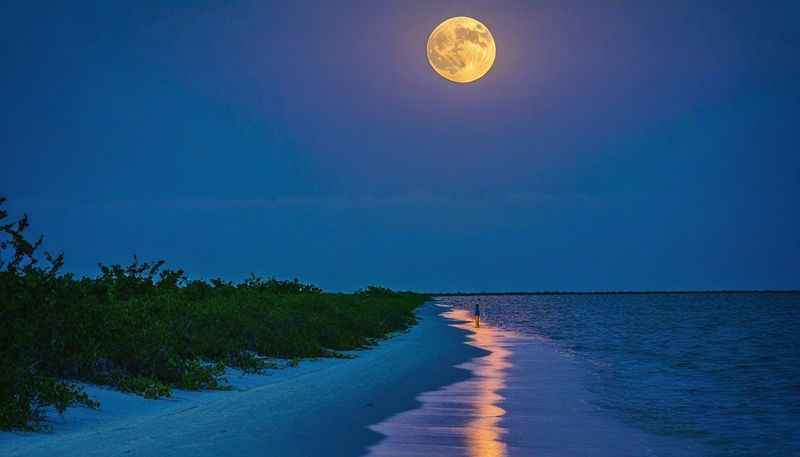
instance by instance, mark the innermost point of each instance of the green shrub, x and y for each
(143, 385)
(147, 330)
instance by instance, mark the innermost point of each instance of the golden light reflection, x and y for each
(461, 419)
(483, 431)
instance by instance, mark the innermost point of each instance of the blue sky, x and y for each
(614, 145)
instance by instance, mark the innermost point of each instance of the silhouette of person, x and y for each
(477, 314)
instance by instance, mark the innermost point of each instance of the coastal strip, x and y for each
(321, 408)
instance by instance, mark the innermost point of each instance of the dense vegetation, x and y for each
(145, 329)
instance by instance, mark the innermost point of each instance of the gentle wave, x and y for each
(707, 374)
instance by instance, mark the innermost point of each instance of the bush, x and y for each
(147, 330)
(375, 291)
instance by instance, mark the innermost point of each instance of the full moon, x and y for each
(461, 49)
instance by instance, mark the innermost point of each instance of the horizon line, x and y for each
(621, 292)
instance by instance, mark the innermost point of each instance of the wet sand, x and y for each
(523, 398)
(461, 419)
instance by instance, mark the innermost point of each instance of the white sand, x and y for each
(323, 407)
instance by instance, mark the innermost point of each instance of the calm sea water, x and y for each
(717, 372)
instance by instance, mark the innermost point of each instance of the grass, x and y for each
(145, 329)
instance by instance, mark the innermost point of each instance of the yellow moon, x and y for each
(461, 49)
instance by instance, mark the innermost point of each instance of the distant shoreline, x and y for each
(619, 292)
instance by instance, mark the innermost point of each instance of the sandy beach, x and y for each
(322, 407)
(441, 388)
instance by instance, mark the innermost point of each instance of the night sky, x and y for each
(614, 145)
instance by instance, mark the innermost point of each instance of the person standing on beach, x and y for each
(477, 314)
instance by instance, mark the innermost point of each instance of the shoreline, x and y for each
(465, 418)
(323, 407)
(621, 292)
(524, 397)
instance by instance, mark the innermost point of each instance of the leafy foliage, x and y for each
(375, 291)
(146, 329)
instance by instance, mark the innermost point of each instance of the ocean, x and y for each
(657, 374)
